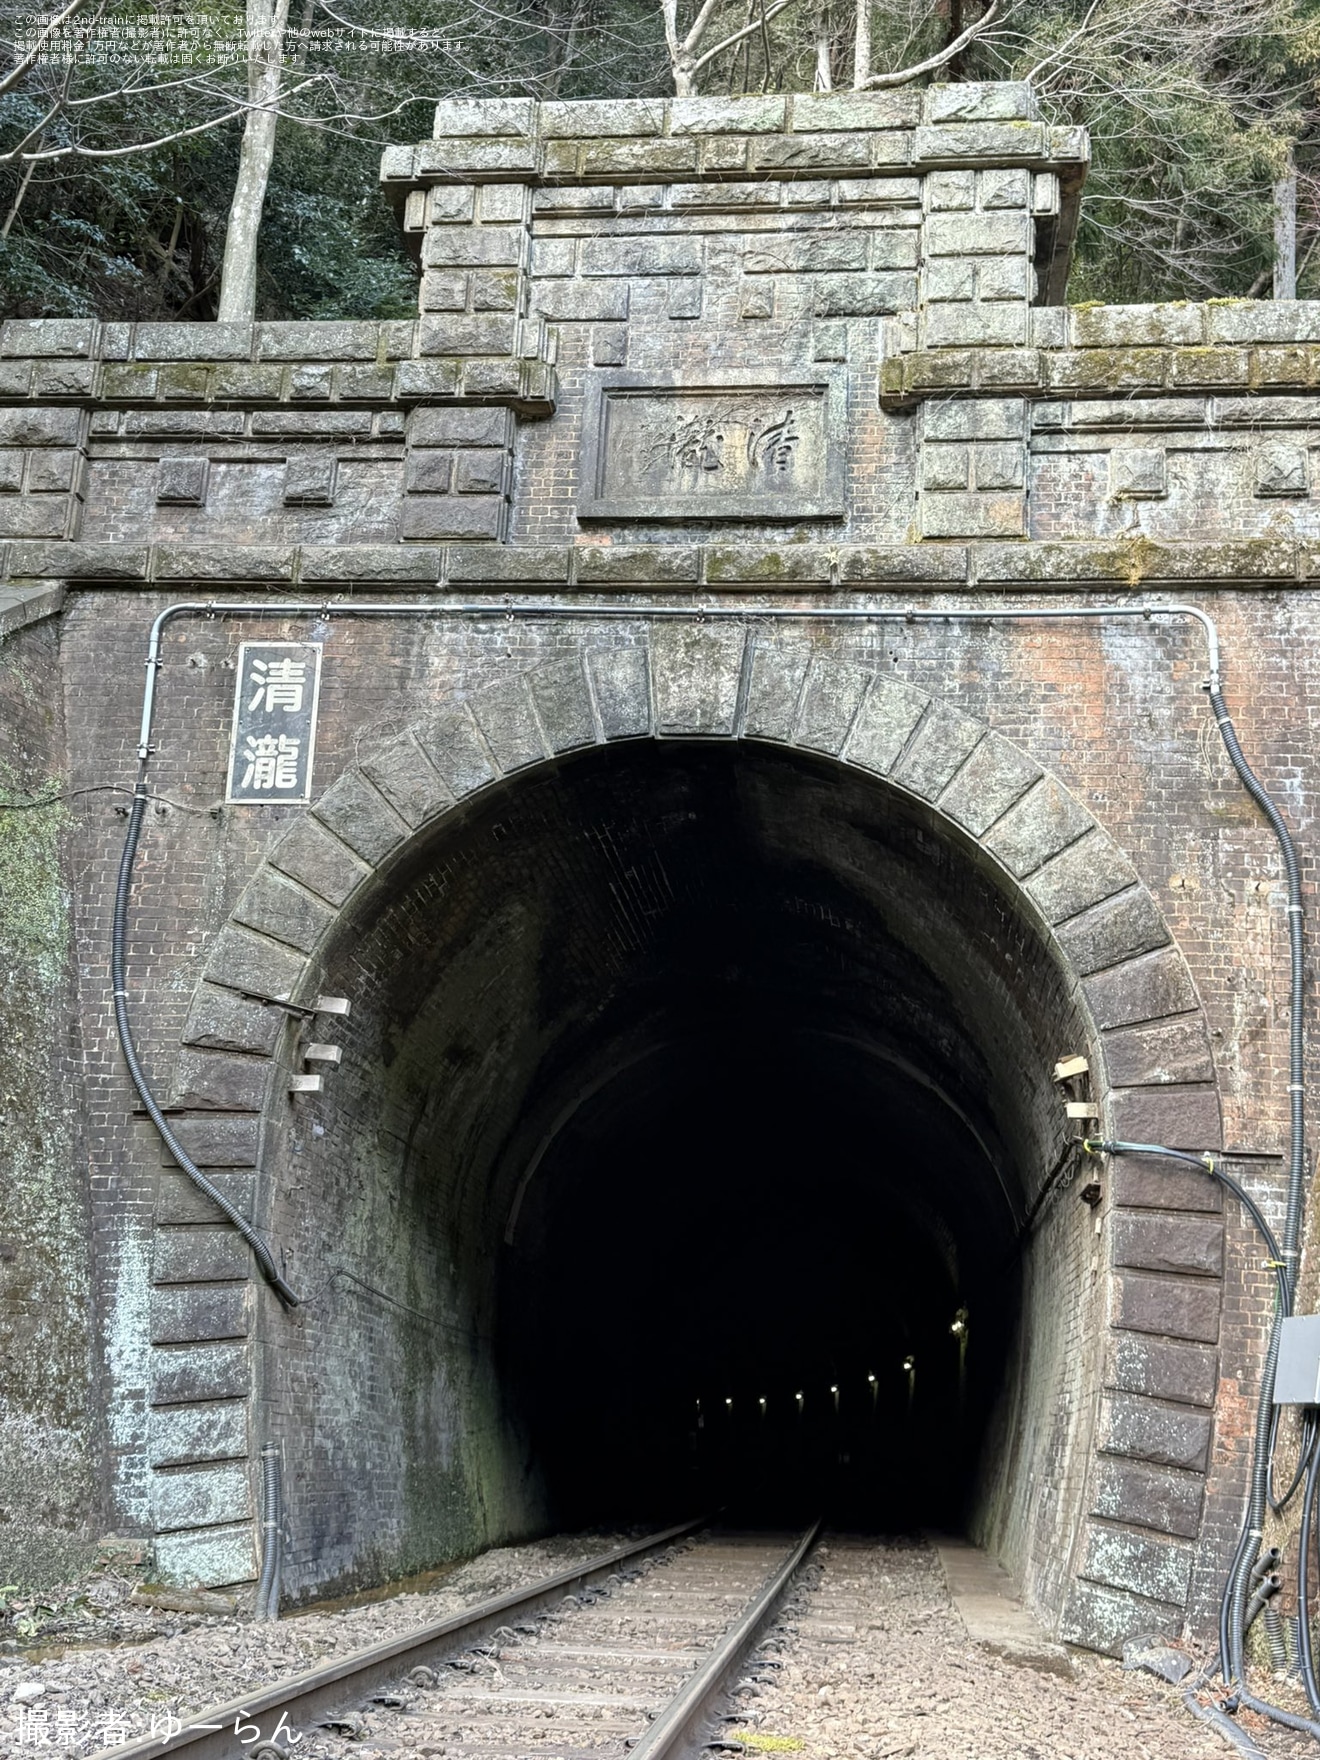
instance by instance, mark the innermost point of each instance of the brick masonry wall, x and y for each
(888, 257)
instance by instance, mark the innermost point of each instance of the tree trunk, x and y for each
(266, 25)
(1285, 235)
(824, 73)
(862, 45)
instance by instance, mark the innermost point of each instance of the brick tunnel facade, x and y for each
(712, 917)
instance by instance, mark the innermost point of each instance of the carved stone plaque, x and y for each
(751, 447)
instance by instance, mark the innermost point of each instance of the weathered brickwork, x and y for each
(758, 356)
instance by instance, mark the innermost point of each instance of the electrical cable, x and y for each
(1305, 1542)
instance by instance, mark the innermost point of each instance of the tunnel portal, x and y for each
(687, 1151)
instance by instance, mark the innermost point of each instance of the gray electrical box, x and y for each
(1297, 1378)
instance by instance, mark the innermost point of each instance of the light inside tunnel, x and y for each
(693, 1101)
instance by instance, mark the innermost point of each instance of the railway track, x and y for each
(598, 1662)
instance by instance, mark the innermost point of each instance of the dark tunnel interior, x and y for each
(706, 1087)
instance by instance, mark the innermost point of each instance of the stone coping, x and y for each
(1134, 564)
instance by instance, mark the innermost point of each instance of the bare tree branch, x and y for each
(876, 81)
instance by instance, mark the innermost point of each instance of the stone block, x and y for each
(1109, 933)
(503, 203)
(492, 333)
(1263, 320)
(853, 296)
(1282, 470)
(211, 1558)
(1157, 1052)
(222, 1021)
(888, 191)
(309, 480)
(1185, 1374)
(1104, 1619)
(1140, 990)
(1187, 1245)
(621, 684)
(468, 158)
(609, 345)
(980, 418)
(477, 247)
(223, 562)
(1046, 821)
(1152, 1183)
(455, 747)
(361, 818)
(11, 470)
(200, 1372)
(885, 723)
(1085, 873)
(199, 1255)
(955, 143)
(791, 563)
(992, 324)
(636, 158)
(243, 961)
(180, 1201)
(245, 384)
(29, 516)
(49, 336)
(946, 467)
(451, 204)
(1008, 278)
(695, 675)
(683, 299)
(641, 256)
(495, 377)
(73, 378)
(970, 101)
(830, 702)
(977, 235)
(774, 687)
(408, 781)
(521, 563)
(996, 776)
(200, 1497)
(433, 378)
(313, 424)
(307, 852)
(553, 257)
(1004, 187)
(1172, 1307)
(999, 464)
(276, 907)
(937, 751)
(508, 724)
(435, 518)
(950, 192)
(1160, 1570)
(651, 564)
(214, 1139)
(812, 152)
(563, 704)
(341, 340)
(952, 278)
(461, 427)
(588, 119)
(973, 515)
(1179, 1117)
(189, 1314)
(466, 117)
(53, 472)
(767, 115)
(1211, 367)
(1138, 473)
(182, 1435)
(496, 290)
(1148, 1430)
(219, 1080)
(481, 472)
(808, 252)
(1148, 1497)
(428, 471)
(869, 112)
(310, 384)
(576, 199)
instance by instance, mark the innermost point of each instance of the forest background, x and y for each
(126, 127)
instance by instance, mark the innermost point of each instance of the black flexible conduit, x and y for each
(1305, 1541)
(119, 982)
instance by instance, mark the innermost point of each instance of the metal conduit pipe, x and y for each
(272, 1535)
(1218, 1720)
(1276, 1637)
(439, 606)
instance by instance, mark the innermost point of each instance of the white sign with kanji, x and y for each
(275, 703)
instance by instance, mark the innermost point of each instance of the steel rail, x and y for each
(677, 1728)
(214, 1734)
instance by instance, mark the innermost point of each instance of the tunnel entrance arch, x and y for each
(808, 898)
